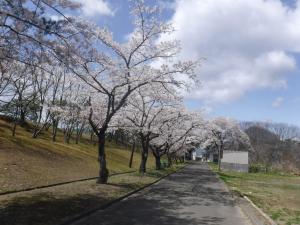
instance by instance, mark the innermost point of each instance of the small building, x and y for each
(235, 161)
(230, 160)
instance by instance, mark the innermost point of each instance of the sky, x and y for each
(249, 52)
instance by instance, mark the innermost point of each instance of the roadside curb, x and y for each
(238, 196)
(57, 184)
(270, 221)
(106, 205)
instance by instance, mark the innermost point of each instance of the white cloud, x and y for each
(277, 102)
(248, 44)
(167, 4)
(92, 8)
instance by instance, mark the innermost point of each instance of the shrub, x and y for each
(256, 168)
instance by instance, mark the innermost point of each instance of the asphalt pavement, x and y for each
(194, 195)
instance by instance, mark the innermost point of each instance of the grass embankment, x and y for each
(277, 194)
(27, 162)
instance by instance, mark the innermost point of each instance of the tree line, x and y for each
(64, 72)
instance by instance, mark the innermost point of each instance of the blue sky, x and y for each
(252, 51)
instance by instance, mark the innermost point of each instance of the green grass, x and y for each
(23, 141)
(26, 162)
(278, 194)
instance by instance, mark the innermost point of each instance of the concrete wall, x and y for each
(235, 167)
(235, 157)
(234, 160)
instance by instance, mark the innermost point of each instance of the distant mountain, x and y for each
(282, 130)
(270, 151)
(261, 135)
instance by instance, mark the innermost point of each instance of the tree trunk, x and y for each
(157, 159)
(69, 132)
(66, 139)
(14, 129)
(131, 156)
(117, 137)
(182, 159)
(110, 137)
(157, 162)
(169, 160)
(47, 127)
(143, 162)
(79, 132)
(22, 118)
(144, 155)
(103, 172)
(91, 136)
(54, 129)
(77, 135)
(37, 124)
(219, 158)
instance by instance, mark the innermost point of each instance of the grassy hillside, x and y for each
(26, 162)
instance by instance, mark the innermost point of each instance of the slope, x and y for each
(26, 162)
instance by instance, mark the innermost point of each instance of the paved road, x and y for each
(192, 196)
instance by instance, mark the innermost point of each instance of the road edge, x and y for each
(268, 218)
(238, 199)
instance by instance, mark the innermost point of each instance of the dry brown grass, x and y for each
(57, 204)
(26, 162)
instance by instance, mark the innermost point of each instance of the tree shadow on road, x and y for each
(174, 201)
(45, 209)
(143, 211)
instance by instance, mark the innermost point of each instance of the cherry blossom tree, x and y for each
(59, 95)
(42, 83)
(106, 72)
(28, 31)
(75, 111)
(5, 81)
(115, 70)
(176, 134)
(19, 100)
(145, 110)
(224, 133)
